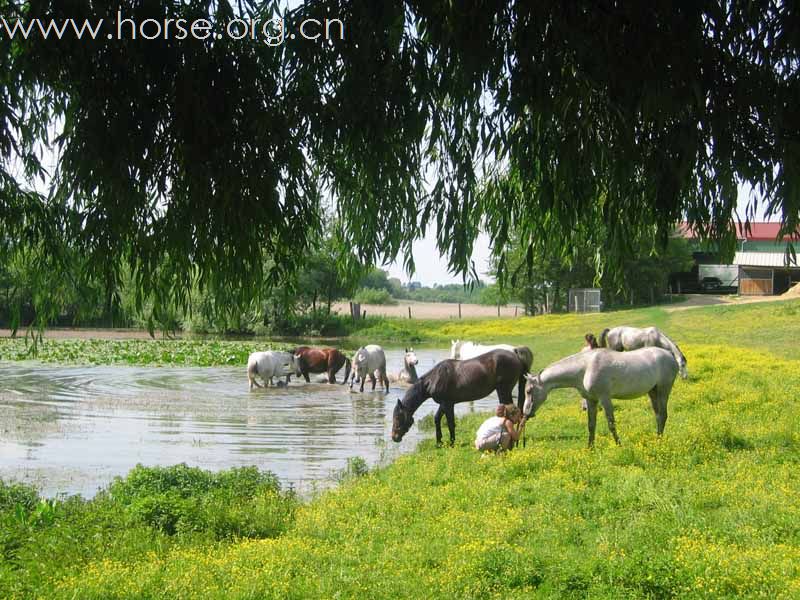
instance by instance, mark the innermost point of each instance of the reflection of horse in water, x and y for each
(321, 360)
(600, 375)
(631, 338)
(452, 381)
(369, 361)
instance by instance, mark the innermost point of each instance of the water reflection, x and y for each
(72, 429)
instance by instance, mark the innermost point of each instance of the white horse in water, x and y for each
(462, 350)
(409, 372)
(600, 375)
(368, 361)
(271, 364)
(631, 338)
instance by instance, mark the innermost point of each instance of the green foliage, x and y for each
(373, 296)
(145, 514)
(451, 292)
(183, 499)
(493, 295)
(541, 277)
(189, 171)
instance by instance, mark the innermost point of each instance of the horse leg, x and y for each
(304, 373)
(591, 413)
(373, 380)
(449, 411)
(504, 394)
(331, 373)
(362, 379)
(609, 410)
(659, 405)
(437, 420)
(521, 391)
(385, 378)
(662, 395)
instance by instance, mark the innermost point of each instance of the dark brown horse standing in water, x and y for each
(321, 360)
(452, 381)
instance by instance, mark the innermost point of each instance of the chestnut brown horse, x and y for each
(321, 360)
(452, 381)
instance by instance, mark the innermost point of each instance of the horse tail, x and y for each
(604, 338)
(347, 364)
(252, 371)
(521, 391)
(679, 357)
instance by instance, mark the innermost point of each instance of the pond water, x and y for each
(72, 429)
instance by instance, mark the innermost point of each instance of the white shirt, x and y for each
(491, 426)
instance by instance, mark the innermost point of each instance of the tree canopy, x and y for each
(191, 160)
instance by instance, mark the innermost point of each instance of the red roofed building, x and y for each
(759, 266)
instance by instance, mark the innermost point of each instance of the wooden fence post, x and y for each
(459, 310)
(409, 312)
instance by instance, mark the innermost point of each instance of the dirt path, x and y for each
(697, 300)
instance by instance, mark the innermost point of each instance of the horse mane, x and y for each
(603, 336)
(439, 377)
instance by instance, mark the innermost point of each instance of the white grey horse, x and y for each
(368, 361)
(600, 375)
(631, 338)
(409, 372)
(271, 364)
(462, 350)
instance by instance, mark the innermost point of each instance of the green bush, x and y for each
(152, 510)
(373, 296)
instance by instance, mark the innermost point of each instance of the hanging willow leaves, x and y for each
(205, 160)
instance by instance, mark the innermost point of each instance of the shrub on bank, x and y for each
(147, 513)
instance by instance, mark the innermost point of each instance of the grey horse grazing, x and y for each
(626, 338)
(600, 375)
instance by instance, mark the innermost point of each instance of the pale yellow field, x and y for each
(431, 310)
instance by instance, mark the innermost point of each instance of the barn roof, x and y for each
(762, 259)
(758, 232)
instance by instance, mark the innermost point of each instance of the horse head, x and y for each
(535, 395)
(411, 358)
(455, 348)
(401, 422)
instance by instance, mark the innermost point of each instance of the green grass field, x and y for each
(708, 511)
